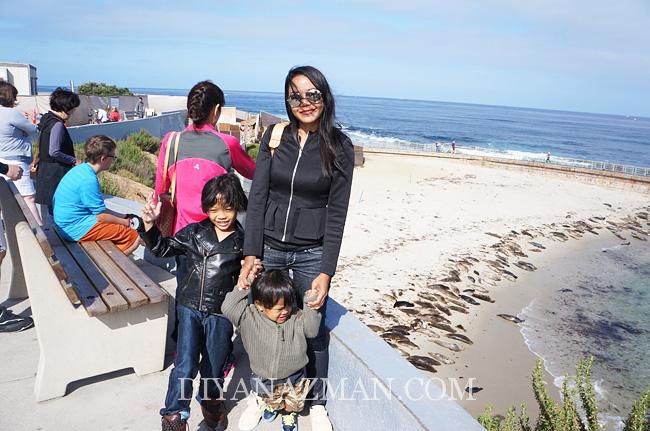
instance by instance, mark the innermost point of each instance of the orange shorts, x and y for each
(123, 237)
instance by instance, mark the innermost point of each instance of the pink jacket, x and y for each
(203, 153)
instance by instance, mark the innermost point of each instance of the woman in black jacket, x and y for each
(298, 204)
(55, 147)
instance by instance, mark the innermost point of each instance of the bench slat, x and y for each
(147, 285)
(109, 294)
(113, 272)
(87, 294)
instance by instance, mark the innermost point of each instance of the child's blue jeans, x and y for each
(204, 344)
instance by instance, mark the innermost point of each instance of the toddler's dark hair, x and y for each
(201, 100)
(226, 190)
(271, 286)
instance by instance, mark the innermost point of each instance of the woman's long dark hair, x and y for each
(327, 122)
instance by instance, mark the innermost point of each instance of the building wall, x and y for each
(22, 76)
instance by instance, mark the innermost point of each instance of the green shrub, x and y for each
(131, 158)
(108, 186)
(639, 418)
(79, 152)
(101, 89)
(145, 141)
(565, 417)
(252, 150)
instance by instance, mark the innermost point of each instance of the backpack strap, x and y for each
(173, 139)
(172, 135)
(172, 188)
(276, 136)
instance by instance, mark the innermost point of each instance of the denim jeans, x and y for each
(305, 267)
(181, 269)
(204, 344)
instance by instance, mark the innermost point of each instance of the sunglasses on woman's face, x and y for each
(312, 96)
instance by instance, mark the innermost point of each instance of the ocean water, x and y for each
(517, 133)
(599, 305)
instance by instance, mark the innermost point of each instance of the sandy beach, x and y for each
(428, 230)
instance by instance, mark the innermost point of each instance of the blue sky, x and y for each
(581, 55)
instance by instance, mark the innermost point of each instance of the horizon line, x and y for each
(401, 99)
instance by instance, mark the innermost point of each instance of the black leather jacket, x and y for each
(212, 266)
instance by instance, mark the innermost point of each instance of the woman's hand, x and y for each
(14, 172)
(33, 167)
(150, 212)
(250, 268)
(321, 285)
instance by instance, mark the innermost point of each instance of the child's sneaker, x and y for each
(290, 422)
(252, 414)
(318, 418)
(269, 415)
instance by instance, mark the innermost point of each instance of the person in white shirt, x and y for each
(102, 115)
(16, 134)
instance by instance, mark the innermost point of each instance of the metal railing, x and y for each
(414, 147)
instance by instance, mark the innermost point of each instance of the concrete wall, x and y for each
(594, 176)
(157, 126)
(374, 387)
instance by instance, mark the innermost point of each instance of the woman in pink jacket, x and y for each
(203, 153)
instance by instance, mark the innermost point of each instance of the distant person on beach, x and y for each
(280, 388)
(114, 116)
(79, 210)
(139, 108)
(102, 115)
(16, 134)
(55, 148)
(437, 147)
(297, 208)
(548, 157)
(213, 253)
(453, 147)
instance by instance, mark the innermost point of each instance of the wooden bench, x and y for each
(94, 309)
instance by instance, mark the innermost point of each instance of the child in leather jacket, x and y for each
(213, 248)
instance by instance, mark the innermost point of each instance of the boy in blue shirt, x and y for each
(79, 210)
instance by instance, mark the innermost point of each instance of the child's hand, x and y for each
(310, 296)
(257, 268)
(251, 267)
(150, 212)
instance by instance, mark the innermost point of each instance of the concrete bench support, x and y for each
(73, 345)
